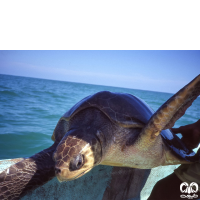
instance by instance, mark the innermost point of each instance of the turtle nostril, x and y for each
(57, 170)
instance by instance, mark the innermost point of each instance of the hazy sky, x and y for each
(165, 71)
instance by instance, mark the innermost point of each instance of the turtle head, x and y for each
(77, 153)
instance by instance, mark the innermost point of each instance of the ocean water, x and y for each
(30, 109)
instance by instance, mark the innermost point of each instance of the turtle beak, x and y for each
(61, 174)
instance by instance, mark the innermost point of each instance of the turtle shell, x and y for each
(121, 108)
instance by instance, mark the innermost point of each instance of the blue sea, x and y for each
(30, 109)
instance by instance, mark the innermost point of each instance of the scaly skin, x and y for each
(27, 174)
(65, 154)
(169, 113)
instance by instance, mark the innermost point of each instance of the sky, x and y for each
(163, 71)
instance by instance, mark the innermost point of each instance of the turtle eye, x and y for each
(77, 162)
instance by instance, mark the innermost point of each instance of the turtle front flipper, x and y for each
(170, 112)
(27, 174)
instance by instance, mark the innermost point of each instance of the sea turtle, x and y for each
(109, 129)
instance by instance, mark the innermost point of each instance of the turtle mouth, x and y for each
(61, 179)
(81, 174)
